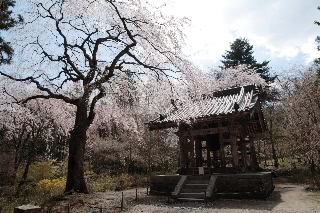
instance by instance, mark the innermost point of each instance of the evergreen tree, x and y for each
(241, 52)
(6, 22)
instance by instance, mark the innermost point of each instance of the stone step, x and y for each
(197, 181)
(222, 193)
(193, 190)
(192, 195)
(235, 195)
(199, 177)
(195, 186)
(190, 200)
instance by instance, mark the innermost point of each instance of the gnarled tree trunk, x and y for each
(77, 142)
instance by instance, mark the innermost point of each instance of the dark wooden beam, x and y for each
(158, 126)
(261, 118)
(209, 131)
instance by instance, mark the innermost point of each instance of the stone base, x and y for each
(163, 184)
(235, 186)
(246, 185)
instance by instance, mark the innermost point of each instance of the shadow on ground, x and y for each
(162, 202)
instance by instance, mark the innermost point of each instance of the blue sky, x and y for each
(282, 31)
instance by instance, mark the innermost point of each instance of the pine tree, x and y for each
(6, 22)
(241, 52)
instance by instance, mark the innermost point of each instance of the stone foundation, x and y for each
(163, 184)
(236, 186)
(247, 185)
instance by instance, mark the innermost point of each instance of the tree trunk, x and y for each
(25, 173)
(26, 169)
(19, 149)
(130, 169)
(274, 154)
(77, 142)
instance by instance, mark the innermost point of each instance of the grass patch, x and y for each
(99, 183)
(46, 182)
(29, 194)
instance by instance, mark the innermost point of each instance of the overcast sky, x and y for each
(282, 31)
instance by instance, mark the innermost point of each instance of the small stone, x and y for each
(28, 209)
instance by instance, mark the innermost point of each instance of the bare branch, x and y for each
(42, 88)
(96, 98)
(153, 68)
(6, 92)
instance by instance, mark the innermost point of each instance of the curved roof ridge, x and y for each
(221, 103)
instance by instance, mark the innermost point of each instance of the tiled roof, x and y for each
(222, 103)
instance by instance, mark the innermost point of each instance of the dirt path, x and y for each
(286, 198)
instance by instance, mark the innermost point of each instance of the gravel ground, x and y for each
(286, 198)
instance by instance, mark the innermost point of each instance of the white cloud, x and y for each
(281, 29)
(310, 49)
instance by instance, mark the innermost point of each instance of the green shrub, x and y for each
(45, 179)
(52, 186)
(100, 183)
(115, 183)
(44, 170)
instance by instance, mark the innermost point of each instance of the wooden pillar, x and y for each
(222, 154)
(208, 155)
(215, 156)
(234, 145)
(243, 154)
(198, 153)
(234, 150)
(182, 144)
(253, 156)
(248, 156)
(192, 147)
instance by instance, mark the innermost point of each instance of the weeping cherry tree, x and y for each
(89, 45)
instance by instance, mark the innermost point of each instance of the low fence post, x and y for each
(136, 194)
(121, 207)
(205, 198)
(169, 193)
(68, 207)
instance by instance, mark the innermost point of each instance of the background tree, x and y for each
(317, 60)
(6, 22)
(88, 44)
(301, 125)
(31, 132)
(241, 53)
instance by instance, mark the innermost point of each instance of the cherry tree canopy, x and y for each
(90, 46)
